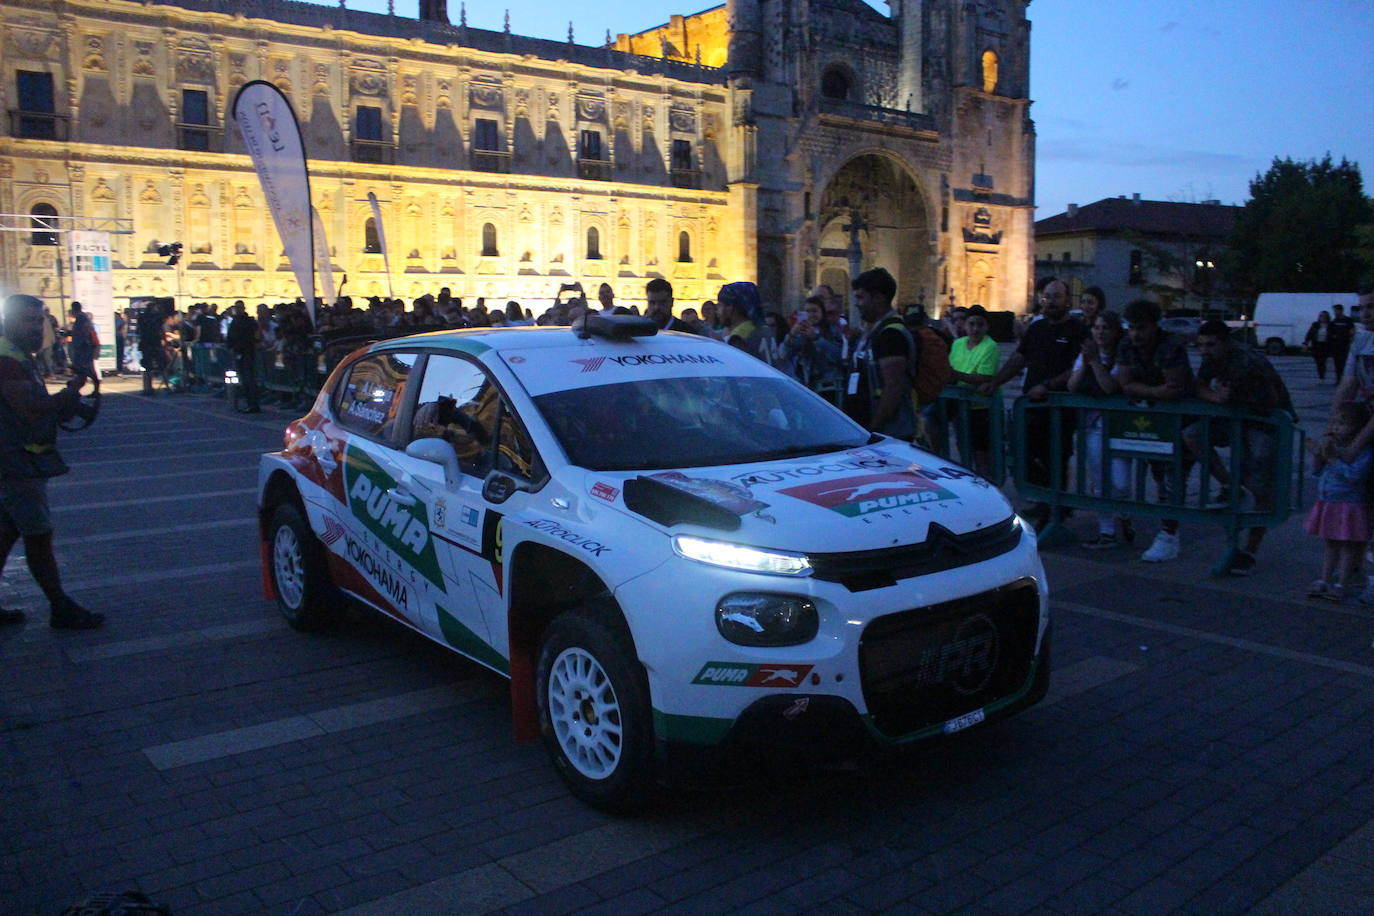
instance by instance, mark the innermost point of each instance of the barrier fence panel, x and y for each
(975, 419)
(1116, 448)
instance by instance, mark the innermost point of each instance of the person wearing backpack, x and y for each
(878, 395)
(931, 373)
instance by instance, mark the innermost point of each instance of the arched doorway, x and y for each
(892, 229)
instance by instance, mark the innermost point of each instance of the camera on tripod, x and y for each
(170, 251)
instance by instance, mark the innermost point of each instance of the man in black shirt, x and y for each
(1340, 334)
(878, 395)
(1046, 353)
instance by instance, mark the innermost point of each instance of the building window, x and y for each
(369, 124)
(836, 84)
(372, 243)
(684, 248)
(41, 234)
(1067, 257)
(485, 137)
(489, 249)
(193, 131)
(593, 244)
(989, 71)
(195, 107)
(590, 146)
(37, 117)
(682, 154)
(1137, 272)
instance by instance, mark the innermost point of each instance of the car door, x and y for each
(470, 463)
(384, 539)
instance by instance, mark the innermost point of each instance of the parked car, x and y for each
(672, 550)
(1186, 328)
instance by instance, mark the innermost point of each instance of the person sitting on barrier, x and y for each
(1152, 365)
(974, 359)
(1092, 376)
(1238, 376)
(1341, 515)
(1047, 352)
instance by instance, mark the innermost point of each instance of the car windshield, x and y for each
(694, 422)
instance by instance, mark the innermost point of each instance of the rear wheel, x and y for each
(1273, 346)
(299, 575)
(594, 711)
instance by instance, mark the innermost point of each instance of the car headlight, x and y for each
(756, 619)
(736, 556)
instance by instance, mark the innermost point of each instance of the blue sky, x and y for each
(1175, 99)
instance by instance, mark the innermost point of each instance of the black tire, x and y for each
(594, 711)
(300, 578)
(1273, 346)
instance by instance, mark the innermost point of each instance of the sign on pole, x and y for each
(93, 287)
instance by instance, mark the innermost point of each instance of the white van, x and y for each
(1281, 320)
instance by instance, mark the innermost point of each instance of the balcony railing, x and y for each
(201, 138)
(39, 125)
(490, 160)
(594, 169)
(686, 178)
(888, 117)
(378, 152)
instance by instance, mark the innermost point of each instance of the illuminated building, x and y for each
(816, 136)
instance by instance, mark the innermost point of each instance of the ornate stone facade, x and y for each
(785, 140)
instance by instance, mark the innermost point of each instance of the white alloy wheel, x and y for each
(289, 567)
(585, 713)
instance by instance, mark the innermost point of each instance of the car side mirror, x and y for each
(500, 486)
(439, 452)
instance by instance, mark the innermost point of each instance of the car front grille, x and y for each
(861, 570)
(929, 665)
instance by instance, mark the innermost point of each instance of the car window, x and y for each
(371, 395)
(515, 451)
(459, 404)
(694, 422)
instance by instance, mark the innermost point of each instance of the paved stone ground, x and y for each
(1206, 747)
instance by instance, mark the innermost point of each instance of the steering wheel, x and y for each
(85, 411)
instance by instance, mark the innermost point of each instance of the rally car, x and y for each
(667, 546)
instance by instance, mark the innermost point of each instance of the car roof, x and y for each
(478, 340)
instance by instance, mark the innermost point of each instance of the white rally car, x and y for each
(671, 549)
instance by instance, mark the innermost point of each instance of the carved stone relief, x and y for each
(150, 194)
(195, 68)
(93, 58)
(143, 59)
(102, 191)
(591, 108)
(198, 197)
(682, 121)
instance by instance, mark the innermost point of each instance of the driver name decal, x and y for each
(857, 496)
(594, 364)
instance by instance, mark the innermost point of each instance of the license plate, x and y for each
(963, 722)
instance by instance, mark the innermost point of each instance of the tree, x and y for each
(1299, 232)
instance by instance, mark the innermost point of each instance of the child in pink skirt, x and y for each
(1341, 515)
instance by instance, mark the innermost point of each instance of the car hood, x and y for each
(864, 498)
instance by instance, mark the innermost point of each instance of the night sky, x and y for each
(1181, 100)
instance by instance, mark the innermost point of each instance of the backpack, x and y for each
(933, 371)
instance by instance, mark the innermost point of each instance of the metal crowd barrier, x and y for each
(957, 406)
(1144, 441)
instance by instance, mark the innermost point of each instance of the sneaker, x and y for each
(1163, 549)
(8, 616)
(1242, 563)
(1318, 589)
(72, 616)
(1103, 541)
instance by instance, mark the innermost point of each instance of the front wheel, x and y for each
(299, 575)
(1273, 346)
(594, 711)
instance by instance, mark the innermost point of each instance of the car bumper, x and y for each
(889, 666)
